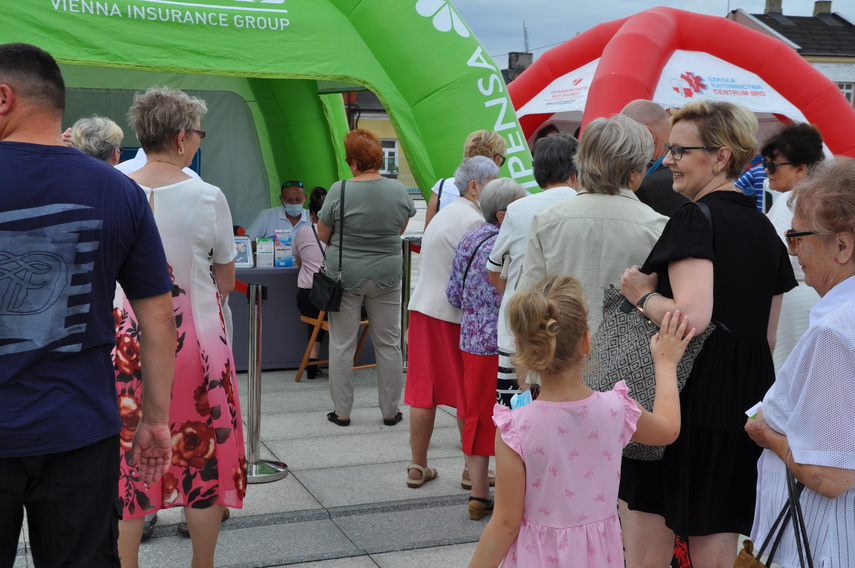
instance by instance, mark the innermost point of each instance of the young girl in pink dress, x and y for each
(558, 458)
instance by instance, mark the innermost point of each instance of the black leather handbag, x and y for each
(327, 290)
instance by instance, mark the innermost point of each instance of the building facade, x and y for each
(826, 39)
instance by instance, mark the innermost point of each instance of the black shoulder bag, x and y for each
(327, 291)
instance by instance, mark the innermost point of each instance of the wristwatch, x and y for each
(641, 304)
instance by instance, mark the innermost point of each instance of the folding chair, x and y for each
(322, 323)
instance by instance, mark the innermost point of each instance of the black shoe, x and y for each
(392, 421)
(312, 370)
(148, 527)
(333, 417)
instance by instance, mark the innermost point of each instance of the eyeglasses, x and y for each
(502, 158)
(677, 151)
(201, 133)
(292, 183)
(771, 166)
(793, 237)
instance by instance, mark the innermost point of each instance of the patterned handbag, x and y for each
(620, 350)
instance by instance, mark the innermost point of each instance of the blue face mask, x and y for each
(294, 210)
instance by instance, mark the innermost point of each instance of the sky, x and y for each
(499, 23)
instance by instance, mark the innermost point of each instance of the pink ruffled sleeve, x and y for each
(505, 423)
(631, 411)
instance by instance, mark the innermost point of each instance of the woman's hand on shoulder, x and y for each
(634, 283)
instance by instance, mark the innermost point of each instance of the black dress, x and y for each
(705, 484)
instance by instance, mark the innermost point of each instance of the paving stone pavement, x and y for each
(345, 502)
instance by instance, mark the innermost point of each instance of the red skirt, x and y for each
(434, 364)
(479, 391)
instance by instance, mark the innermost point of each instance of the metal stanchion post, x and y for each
(258, 470)
(405, 290)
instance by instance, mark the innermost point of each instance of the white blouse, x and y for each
(812, 402)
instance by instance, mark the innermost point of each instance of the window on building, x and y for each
(848, 90)
(390, 156)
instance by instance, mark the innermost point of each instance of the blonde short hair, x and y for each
(723, 125)
(97, 136)
(550, 321)
(609, 151)
(484, 143)
(160, 113)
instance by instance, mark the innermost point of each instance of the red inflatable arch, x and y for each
(633, 52)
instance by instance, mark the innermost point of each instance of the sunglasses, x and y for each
(793, 236)
(292, 183)
(201, 133)
(771, 166)
(677, 151)
(503, 158)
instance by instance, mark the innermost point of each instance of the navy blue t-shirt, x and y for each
(70, 226)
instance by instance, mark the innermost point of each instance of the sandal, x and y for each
(466, 483)
(392, 421)
(428, 474)
(482, 508)
(333, 417)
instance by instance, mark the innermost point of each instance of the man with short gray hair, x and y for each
(657, 189)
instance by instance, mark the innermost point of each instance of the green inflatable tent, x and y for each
(272, 72)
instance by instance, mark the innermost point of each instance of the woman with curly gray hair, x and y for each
(99, 137)
(208, 468)
(605, 228)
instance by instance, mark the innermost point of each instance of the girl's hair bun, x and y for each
(550, 321)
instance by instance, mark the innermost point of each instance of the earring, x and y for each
(716, 170)
(180, 151)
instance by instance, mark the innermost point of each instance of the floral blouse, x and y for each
(478, 300)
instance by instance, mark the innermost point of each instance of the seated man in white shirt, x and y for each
(290, 216)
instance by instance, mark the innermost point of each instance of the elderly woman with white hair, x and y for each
(470, 290)
(605, 227)
(806, 422)
(99, 137)
(435, 366)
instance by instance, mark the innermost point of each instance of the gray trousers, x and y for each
(383, 307)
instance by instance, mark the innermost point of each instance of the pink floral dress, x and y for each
(208, 456)
(572, 456)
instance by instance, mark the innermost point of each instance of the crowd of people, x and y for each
(508, 296)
